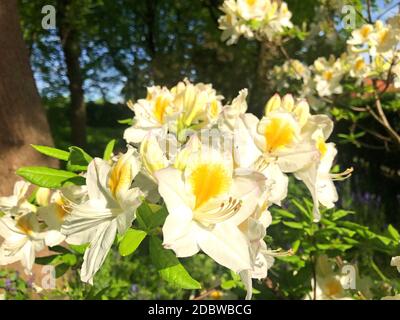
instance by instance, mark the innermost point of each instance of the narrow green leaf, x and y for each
(293, 225)
(52, 152)
(126, 121)
(340, 214)
(47, 177)
(108, 150)
(53, 259)
(394, 233)
(169, 267)
(131, 241)
(78, 159)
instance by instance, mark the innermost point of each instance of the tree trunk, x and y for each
(72, 51)
(22, 117)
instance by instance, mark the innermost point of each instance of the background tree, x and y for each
(22, 117)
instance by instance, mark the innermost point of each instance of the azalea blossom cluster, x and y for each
(260, 19)
(372, 53)
(216, 167)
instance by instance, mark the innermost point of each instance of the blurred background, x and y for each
(69, 85)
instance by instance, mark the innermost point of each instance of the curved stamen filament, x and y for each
(219, 213)
(342, 175)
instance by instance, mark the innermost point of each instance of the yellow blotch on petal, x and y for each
(61, 211)
(333, 288)
(160, 106)
(120, 176)
(321, 146)
(24, 225)
(278, 133)
(209, 180)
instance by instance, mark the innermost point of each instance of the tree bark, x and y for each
(22, 117)
(69, 37)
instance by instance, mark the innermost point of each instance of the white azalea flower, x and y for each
(206, 203)
(150, 114)
(396, 262)
(17, 203)
(23, 237)
(262, 259)
(55, 212)
(329, 73)
(110, 209)
(275, 145)
(361, 36)
(199, 107)
(317, 176)
(260, 19)
(329, 284)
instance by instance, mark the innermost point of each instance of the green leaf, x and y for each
(47, 177)
(52, 152)
(126, 121)
(334, 246)
(296, 245)
(340, 214)
(131, 241)
(302, 209)
(53, 259)
(293, 225)
(229, 284)
(61, 269)
(79, 248)
(285, 213)
(394, 233)
(169, 267)
(149, 219)
(78, 159)
(59, 249)
(108, 150)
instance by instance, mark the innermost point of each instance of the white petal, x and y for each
(245, 275)
(226, 245)
(96, 181)
(248, 186)
(97, 251)
(53, 238)
(184, 246)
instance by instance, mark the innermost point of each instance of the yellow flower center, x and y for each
(365, 31)
(359, 64)
(278, 133)
(383, 36)
(209, 180)
(333, 288)
(251, 2)
(328, 75)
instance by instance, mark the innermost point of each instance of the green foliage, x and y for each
(48, 177)
(131, 241)
(52, 152)
(169, 267)
(108, 150)
(78, 159)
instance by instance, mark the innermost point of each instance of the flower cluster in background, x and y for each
(372, 53)
(253, 19)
